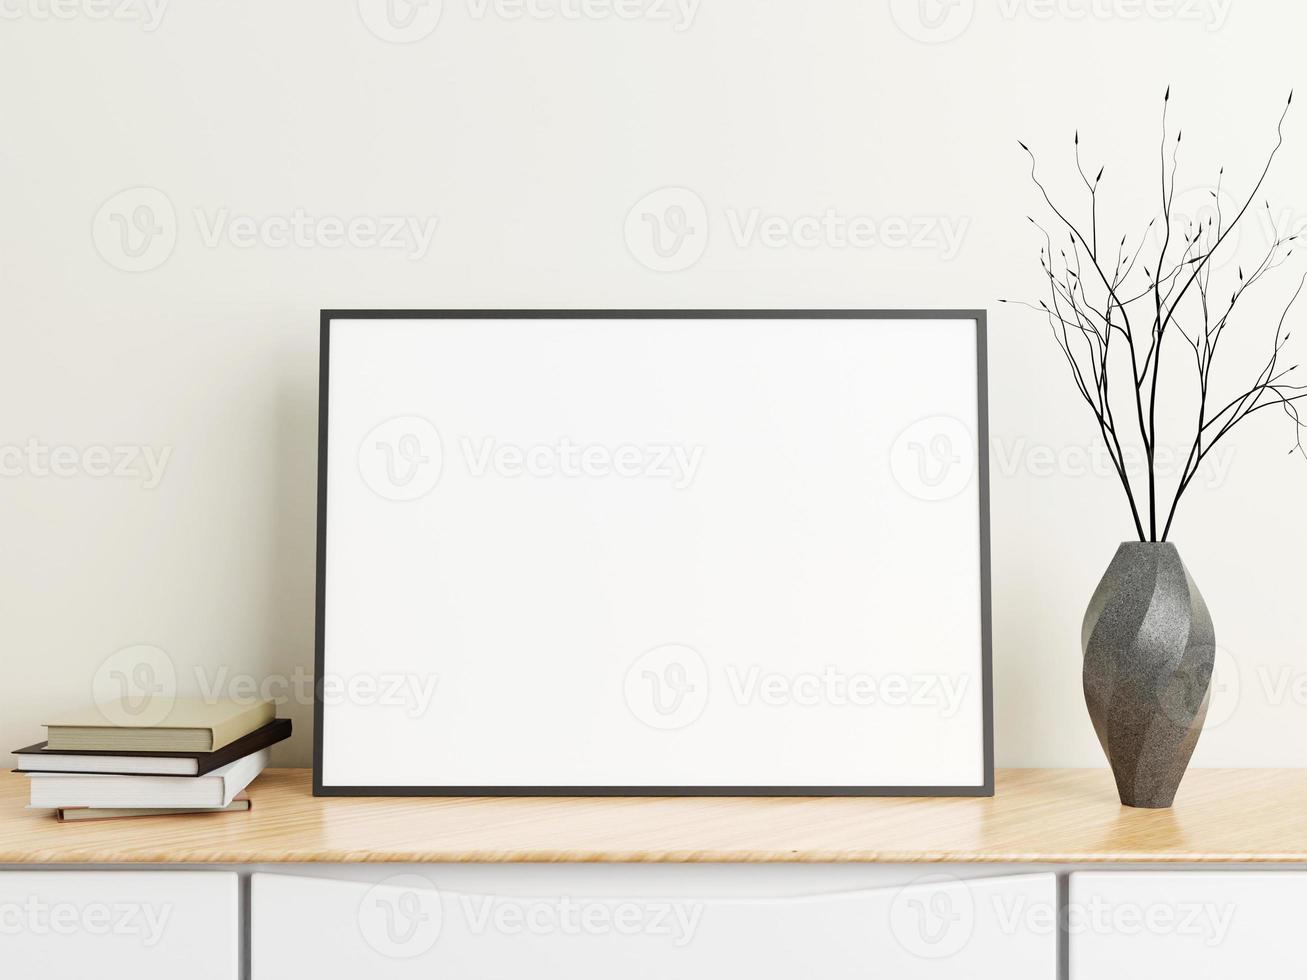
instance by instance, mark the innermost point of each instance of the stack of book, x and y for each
(199, 759)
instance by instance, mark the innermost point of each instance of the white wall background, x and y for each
(528, 139)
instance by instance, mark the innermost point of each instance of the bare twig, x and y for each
(1086, 307)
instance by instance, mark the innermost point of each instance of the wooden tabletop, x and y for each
(1036, 815)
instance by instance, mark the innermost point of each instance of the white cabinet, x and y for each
(1198, 925)
(645, 922)
(413, 924)
(119, 925)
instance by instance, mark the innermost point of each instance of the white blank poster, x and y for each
(698, 553)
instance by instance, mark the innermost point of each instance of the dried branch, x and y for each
(1086, 307)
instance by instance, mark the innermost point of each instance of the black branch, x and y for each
(1123, 296)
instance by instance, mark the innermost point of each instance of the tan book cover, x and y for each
(240, 804)
(190, 725)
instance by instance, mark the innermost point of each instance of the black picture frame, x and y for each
(986, 788)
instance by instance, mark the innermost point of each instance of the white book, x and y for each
(108, 765)
(52, 790)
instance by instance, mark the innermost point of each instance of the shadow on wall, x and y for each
(290, 548)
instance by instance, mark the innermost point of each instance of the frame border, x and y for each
(985, 788)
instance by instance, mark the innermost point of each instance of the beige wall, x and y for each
(529, 140)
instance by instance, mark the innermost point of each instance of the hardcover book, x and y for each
(41, 758)
(70, 814)
(191, 725)
(54, 790)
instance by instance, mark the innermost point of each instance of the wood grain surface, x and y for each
(1036, 815)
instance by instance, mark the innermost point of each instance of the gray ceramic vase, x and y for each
(1149, 649)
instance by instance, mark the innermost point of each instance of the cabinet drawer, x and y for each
(119, 925)
(1194, 924)
(408, 925)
